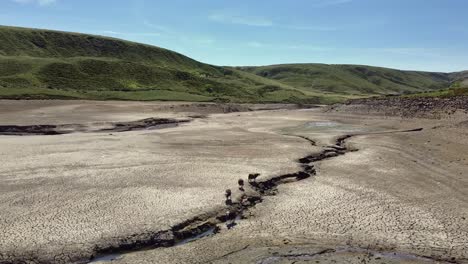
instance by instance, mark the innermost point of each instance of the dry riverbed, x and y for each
(389, 195)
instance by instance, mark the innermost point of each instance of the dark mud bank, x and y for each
(148, 123)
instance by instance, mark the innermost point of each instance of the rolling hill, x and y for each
(459, 79)
(352, 79)
(51, 64)
(45, 64)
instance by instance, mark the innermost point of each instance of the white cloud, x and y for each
(132, 34)
(323, 3)
(311, 28)
(230, 17)
(419, 52)
(110, 32)
(241, 20)
(198, 40)
(308, 48)
(255, 44)
(39, 2)
(300, 47)
(159, 28)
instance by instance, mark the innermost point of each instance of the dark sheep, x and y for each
(241, 182)
(228, 194)
(253, 177)
(241, 185)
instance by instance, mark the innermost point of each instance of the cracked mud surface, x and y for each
(400, 198)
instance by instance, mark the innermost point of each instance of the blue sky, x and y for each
(427, 35)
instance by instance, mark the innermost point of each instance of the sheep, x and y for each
(241, 185)
(230, 219)
(228, 195)
(253, 177)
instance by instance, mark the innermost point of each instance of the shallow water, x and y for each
(320, 126)
(208, 232)
(326, 126)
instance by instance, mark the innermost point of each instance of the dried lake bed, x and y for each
(395, 195)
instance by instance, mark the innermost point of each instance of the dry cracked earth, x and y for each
(394, 190)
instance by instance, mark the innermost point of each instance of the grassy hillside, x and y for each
(52, 64)
(459, 79)
(352, 79)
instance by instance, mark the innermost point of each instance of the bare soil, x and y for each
(333, 187)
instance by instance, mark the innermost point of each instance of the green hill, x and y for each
(45, 64)
(51, 64)
(459, 79)
(352, 79)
